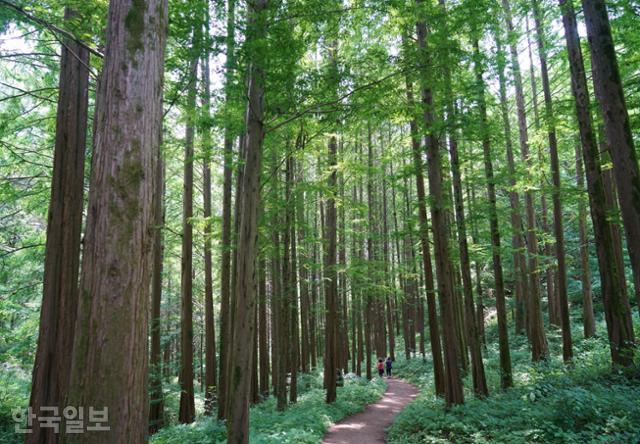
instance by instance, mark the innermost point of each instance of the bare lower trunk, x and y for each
(110, 346)
(610, 95)
(241, 350)
(617, 316)
(62, 254)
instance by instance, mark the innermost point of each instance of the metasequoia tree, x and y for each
(110, 345)
(616, 304)
(49, 382)
(617, 129)
(558, 227)
(537, 337)
(444, 266)
(241, 350)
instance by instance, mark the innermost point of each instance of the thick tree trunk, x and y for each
(49, 382)
(241, 350)
(111, 335)
(608, 90)
(537, 337)
(187, 412)
(506, 378)
(561, 274)
(618, 317)
(444, 267)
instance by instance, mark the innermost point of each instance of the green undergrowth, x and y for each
(586, 402)
(303, 422)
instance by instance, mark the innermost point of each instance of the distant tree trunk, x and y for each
(111, 335)
(517, 243)
(211, 376)
(588, 318)
(187, 412)
(618, 317)
(278, 303)
(537, 337)
(156, 401)
(49, 382)
(294, 346)
(226, 246)
(444, 267)
(330, 282)
(506, 379)
(303, 271)
(240, 362)
(263, 348)
(434, 333)
(610, 95)
(561, 275)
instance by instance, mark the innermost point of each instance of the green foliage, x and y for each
(586, 402)
(14, 394)
(303, 422)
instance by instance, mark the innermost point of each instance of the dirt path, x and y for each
(368, 426)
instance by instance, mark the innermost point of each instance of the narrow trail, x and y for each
(369, 425)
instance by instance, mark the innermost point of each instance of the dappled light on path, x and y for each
(369, 426)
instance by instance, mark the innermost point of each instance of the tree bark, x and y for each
(617, 316)
(506, 378)
(434, 333)
(561, 274)
(226, 246)
(241, 356)
(49, 382)
(110, 343)
(444, 267)
(187, 412)
(608, 90)
(537, 337)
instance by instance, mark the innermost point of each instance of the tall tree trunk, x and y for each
(444, 266)
(618, 317)
(294, 350)
(226, 246)
(588, 318)
(62, 254)
(156, 401)
(111, 334)
(49, 382)
(330, 364)
(263, 329)
(517, 243)
(608, 90)
(241, 350)
(434, 332)
(478, 375)
(210, 339)
(506, 378)
(537, 337)
(187, 412)
(561, 275)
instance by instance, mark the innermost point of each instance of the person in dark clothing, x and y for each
(389, 366)
(380, 367)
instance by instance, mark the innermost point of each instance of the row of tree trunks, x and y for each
(616, 304)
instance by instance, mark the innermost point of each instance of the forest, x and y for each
(225, 220)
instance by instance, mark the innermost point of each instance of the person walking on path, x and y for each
(389, 366)
(380, 367)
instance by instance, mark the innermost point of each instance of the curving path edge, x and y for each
(369, 426)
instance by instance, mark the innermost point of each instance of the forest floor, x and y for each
(369, 426)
